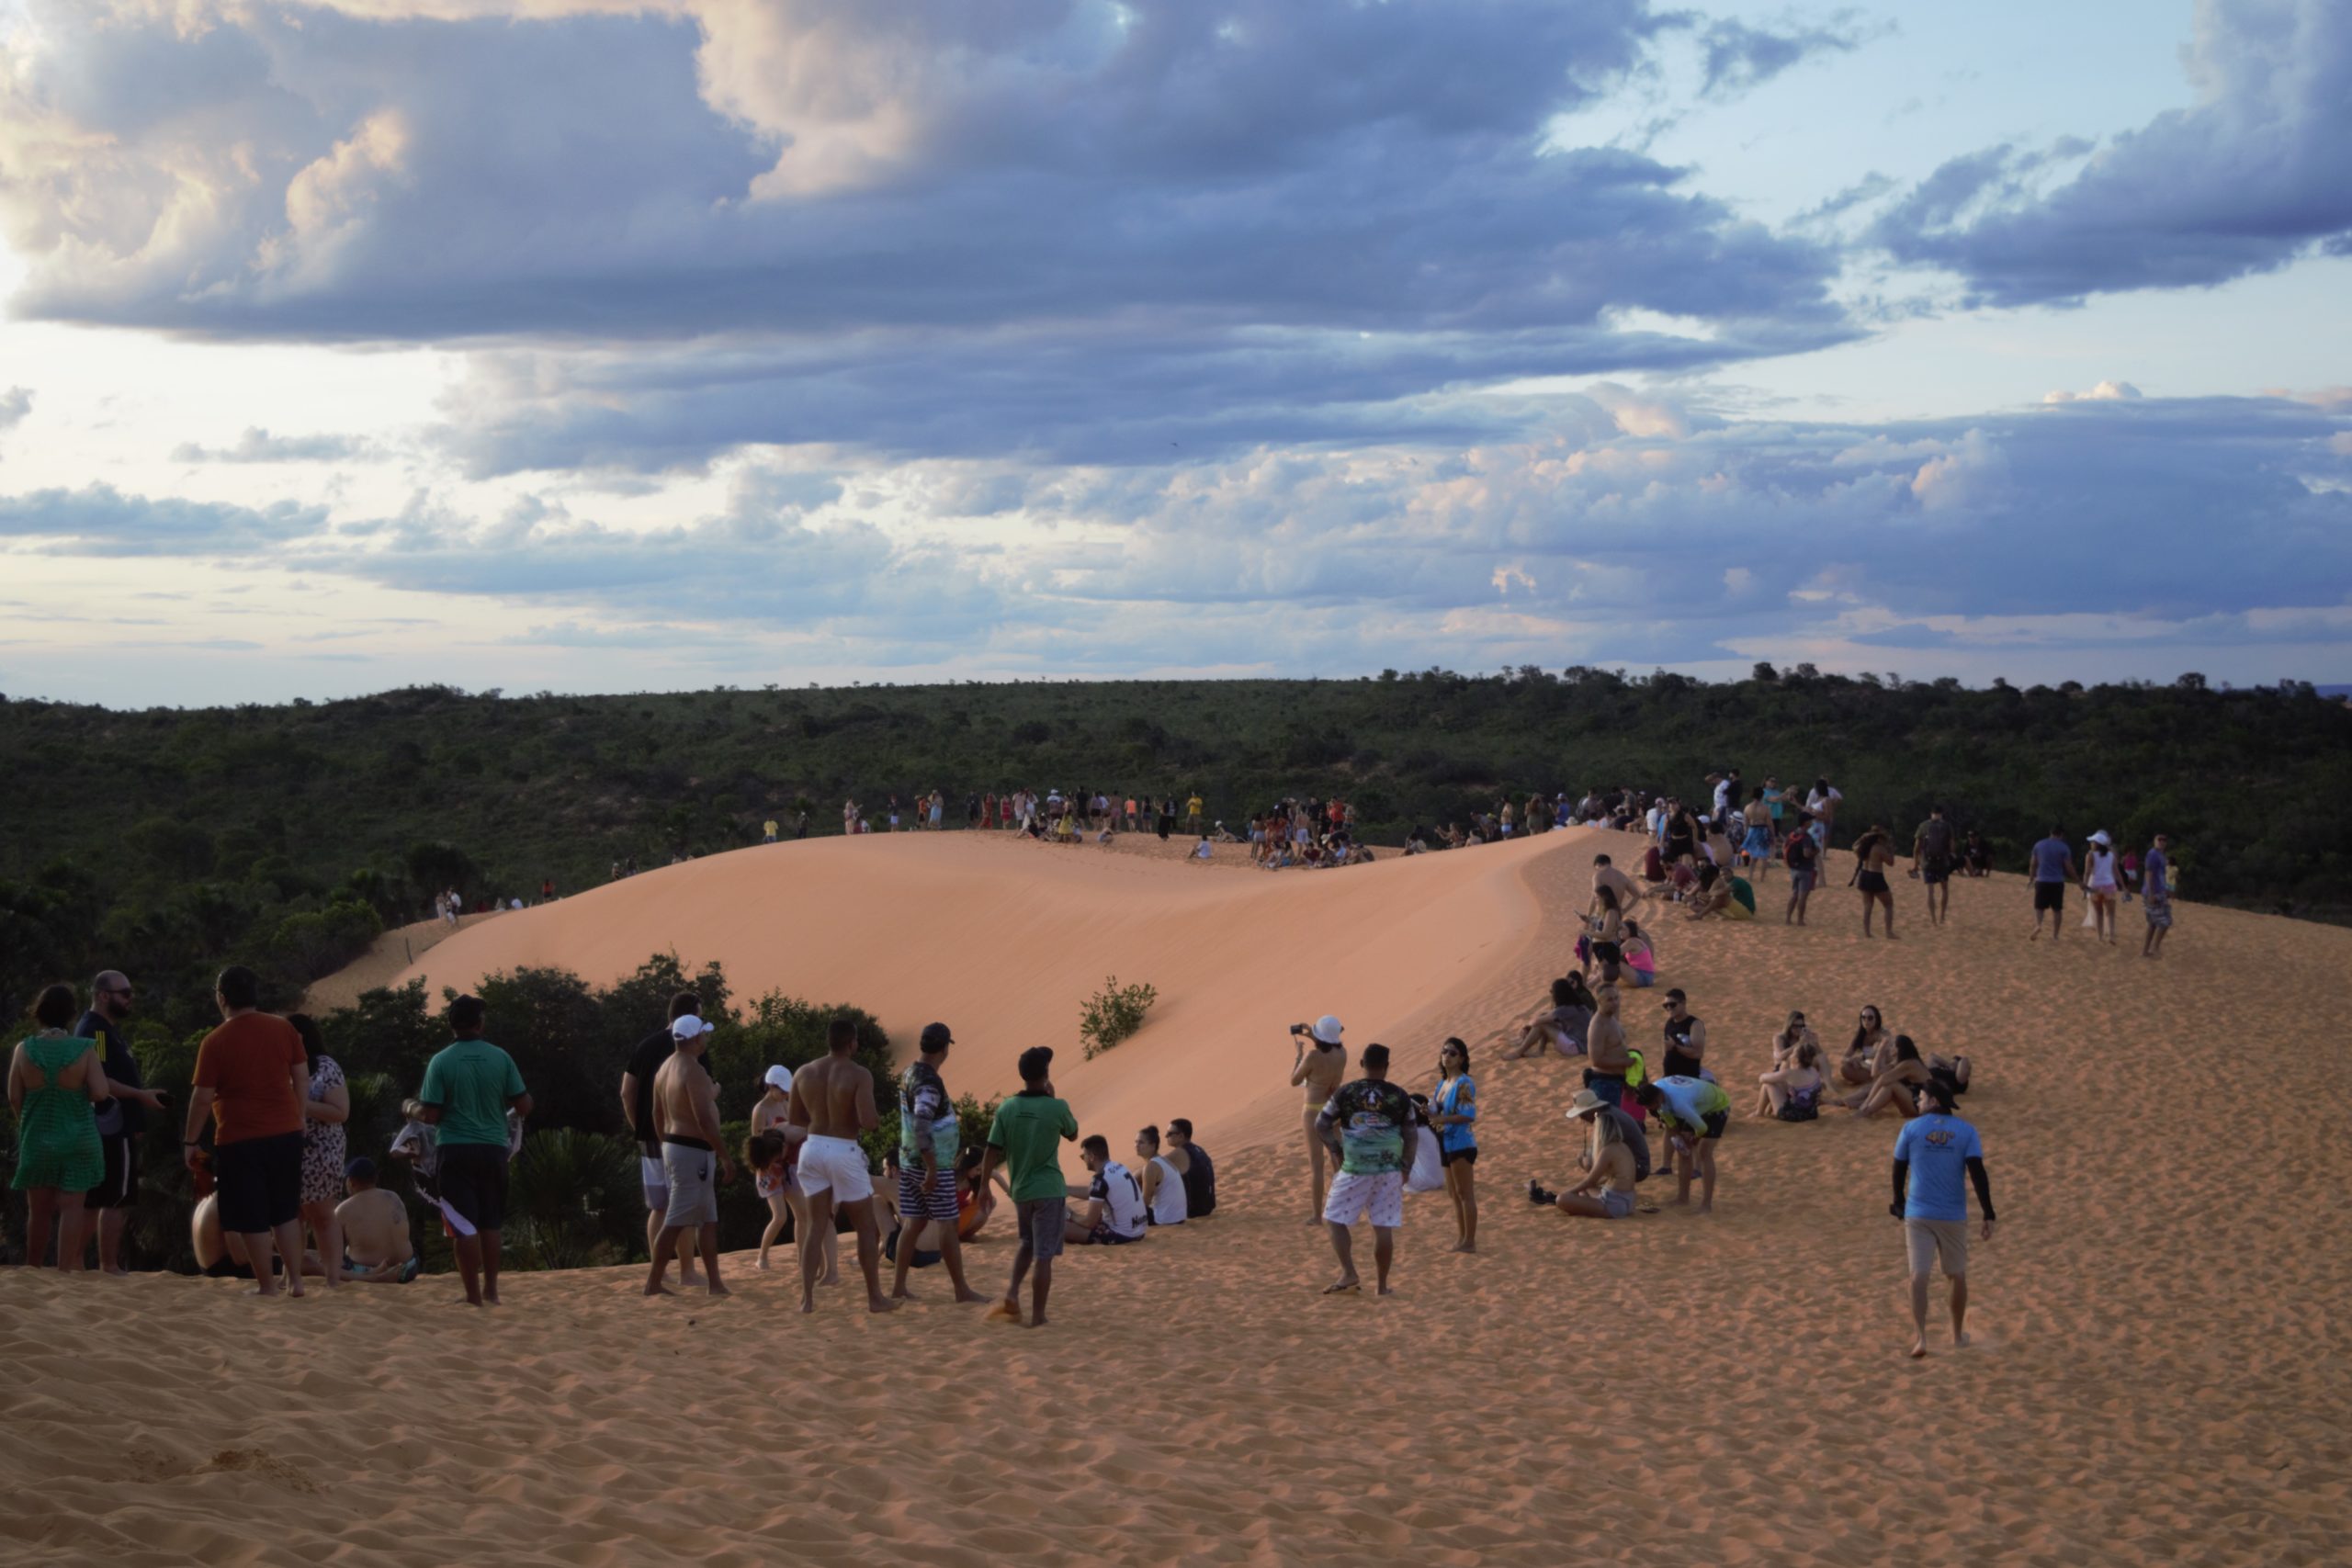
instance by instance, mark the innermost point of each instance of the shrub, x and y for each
(1113, 1013)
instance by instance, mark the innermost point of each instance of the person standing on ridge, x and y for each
(121, 1119)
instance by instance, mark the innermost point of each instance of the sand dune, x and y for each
(2160, 1377)
(1006, 938)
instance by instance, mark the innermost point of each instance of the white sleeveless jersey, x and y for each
(1171, 1207)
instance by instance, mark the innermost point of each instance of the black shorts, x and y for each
(1609, 953)
(473, 1183)
(1716, 1121)
(1458, 1157)
(259, 1181)
(2049, 896)
(1935, 869)
(118, 1188)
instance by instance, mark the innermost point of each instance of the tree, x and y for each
(1764, 674)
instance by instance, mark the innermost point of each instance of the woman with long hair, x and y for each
(55, 1082)
(1454, 1111)
(324, 1111)
(2101, 884)
(1900, 1077)
(1873, 855)
(1608, 931)
(1795, 1079)
(1861, 1052)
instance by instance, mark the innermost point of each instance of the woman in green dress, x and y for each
(54, 1080)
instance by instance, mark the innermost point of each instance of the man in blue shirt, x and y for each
(2052, 866)
(2155, 897)
(1931, 1154)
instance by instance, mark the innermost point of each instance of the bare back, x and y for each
(686, 1103)
(1616, 1162)
(833, 1098)
(374, 1227)
(1323, 1067)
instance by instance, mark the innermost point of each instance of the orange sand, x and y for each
(2160, 1372)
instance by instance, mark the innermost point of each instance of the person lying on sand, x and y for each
(1563, 1027)
(1610, 1164)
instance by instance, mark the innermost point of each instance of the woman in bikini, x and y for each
(1870, 1039)
(1900, 1077)
(1608, 933)
(1320, 1070)
(1796, 1079)
(1872, 855)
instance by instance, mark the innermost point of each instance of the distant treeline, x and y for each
(170, 841)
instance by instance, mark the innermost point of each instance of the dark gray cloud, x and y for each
(258, 446)
(1027, 225)
(1737, 57)
(2244, 180)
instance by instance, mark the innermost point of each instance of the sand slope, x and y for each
(2160, 1374)
(1004, 939)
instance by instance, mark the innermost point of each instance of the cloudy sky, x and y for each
(622, 344)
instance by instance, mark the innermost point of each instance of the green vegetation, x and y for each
(575, 1197)
(1112, 1014)
(169, 842)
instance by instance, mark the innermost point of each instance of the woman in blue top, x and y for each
(1453, 1110)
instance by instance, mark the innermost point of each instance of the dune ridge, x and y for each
(2160, 1371)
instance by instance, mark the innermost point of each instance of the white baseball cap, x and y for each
(1327, 1030)
(690, 1026)
(780, 1076)
(2101, 838)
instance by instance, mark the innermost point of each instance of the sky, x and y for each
(647, 344)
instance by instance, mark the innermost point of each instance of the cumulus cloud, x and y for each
(2246, 178)
(258, 446)
(102, 520)
(2105, 392)
(1035, 225)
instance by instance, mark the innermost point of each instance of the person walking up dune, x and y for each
(833, 1098)
(1931, 1154)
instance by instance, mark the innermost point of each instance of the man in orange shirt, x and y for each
(252, 1075)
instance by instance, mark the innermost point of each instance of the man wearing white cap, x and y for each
(645, 1064)
(1320, 1071)
(694, 1149)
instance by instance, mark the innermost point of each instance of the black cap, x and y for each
(935, 1037)
(360, 1170)
(1375, 1055)
(1035, 1063)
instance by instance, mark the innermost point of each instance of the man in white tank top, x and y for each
(1164, 1200)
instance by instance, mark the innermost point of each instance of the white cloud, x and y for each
(2105, 392)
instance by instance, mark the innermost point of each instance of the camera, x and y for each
(1298, 1029)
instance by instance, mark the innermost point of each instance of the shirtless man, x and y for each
(685, 1115)
(833, 1098)
(1605, 1046)
(375, 1229)
(1607, 1191)
(1605, 874)
(1320, 1070)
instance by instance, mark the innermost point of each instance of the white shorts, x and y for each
(656, 1182)
(1379, 1196)
(835, 1166)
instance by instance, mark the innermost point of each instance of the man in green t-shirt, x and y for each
(469, 1087)
(1026, 1138)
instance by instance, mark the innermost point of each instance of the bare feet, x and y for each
(880, 1305)
(904, 1294)
(1038, 1322)
(719, 1289)
(968, 1298)
(1959, 1341)
(1705, 1208)
(1386, 1291)
(1465, 1246)
(657, 1289)
(1347, 1286)
(832, 1277)
(762, 1264)
(1004, 1312)
(808, 1302)
(1920, 1349)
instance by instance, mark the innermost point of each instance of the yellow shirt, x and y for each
(1192, 807)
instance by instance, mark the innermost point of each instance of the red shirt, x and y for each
(248, 1064)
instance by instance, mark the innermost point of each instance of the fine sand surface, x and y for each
(2159, 1374)
(383, 964)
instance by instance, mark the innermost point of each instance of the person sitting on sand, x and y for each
(374, 1223)
(1792, 1089)
(1193, 1164)
(1164, 1200)
(1369, 1125)
(1977, 856)
(1606, 928)
(1930, 1155)
(1693, 1112)
(1858, 1064)
(1614, 1158)
(1639, 969)
(1895, 1081)
(974, 1200)
(1712, 896)
(1025, 1137)
(1561, 1029)
(1109, 1210)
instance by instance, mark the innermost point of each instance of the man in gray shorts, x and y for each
(1026, 1138)
(685, 1115)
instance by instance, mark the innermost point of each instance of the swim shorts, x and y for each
(2049, 896)
(919, 1199)
(1042, 1221)
(1458, 1157)
(1935, 869)
(1376, 1195)
(473, 1183)
(2158, 907)
(835, 1165)
(1929, 1240)
(1802, 879)
(259, 1181)
(1610, 1087)
(655, 1182)
(694, 1198)
(1870, 882)
(1618, 1204)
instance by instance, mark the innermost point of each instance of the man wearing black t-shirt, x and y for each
(636, 1110)
(121, 1119)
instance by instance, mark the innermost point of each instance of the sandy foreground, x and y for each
(2159, 1374)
